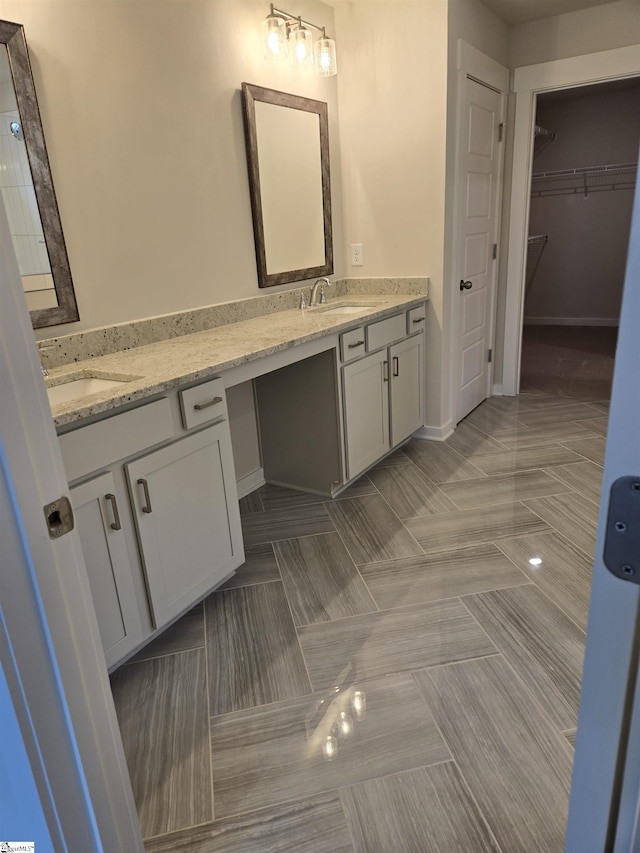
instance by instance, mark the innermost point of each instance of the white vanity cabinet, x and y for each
(154, 496)
(383, 391)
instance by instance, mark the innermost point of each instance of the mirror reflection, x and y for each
(288, 159)
(26, 189)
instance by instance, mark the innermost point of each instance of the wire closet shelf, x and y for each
(617, 176)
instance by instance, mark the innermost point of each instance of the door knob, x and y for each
(465, 285)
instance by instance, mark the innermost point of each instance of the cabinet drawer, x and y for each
(386, 332)
(352, 344)
(203, 403)
(416, 319)
(97, 445)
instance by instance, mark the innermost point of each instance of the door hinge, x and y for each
(494, 253)
(501, 128)
(59, 516)
(490, 356)
(622, 535)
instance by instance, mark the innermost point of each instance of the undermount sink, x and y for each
(342, 309)
(80, 387)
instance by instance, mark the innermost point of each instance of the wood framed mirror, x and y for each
(287, 143)
(27, 189)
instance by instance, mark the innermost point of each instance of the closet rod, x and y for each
(597, 178)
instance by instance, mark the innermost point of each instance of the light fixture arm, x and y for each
(292, 20)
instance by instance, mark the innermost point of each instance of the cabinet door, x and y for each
(366, 411)
(97, 507)
(407, 388)
(186, 512)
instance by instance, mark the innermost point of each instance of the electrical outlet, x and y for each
(356, 255)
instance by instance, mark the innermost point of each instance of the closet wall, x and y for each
(577, 277)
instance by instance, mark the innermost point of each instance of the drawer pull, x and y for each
(147, 500)
(396, 366)
(213, 402)
(418, 320)
(115, 524)
(357, 344)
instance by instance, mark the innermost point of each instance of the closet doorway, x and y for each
(583, 176)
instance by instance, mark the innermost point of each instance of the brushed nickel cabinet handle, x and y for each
(418, 320)
(385, 371)
(115, 524)
(147, 500)
(214, 402)
(357, 344)
(396, 366)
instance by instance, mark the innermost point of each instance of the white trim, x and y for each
(496, 391)
(473, 64)
(529, 80)
(433, 433)
(571, 321)
(250, 482)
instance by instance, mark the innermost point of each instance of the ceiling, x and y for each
(521, 11)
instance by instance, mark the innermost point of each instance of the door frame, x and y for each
(50, 645)
(528, 82)
(473, 64)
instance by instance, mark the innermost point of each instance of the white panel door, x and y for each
(479, 170)
(366, 411)
(186, 511)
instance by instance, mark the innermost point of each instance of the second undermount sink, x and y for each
(81, 386)
(342, 309)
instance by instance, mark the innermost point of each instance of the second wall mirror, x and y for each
(26, 187)
(287, 141)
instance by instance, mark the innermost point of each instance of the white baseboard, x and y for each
(496, 390)
(433, 433)
(250, 482)
(571, 321)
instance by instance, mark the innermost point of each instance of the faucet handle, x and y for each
(303, 301)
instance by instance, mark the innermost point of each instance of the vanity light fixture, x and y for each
(289, 35)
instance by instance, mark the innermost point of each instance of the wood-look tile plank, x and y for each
(474, 526)
(260, 566)
(563, 573)
(287, 523)
(321, 580)
(277, 497)
(488, 419)
(409, 492)
(371, 530)
(162, 712)
(572, 516)
(503, 488)
(397, 457)
(274, 754)
(517, 766)
(541, 643)
(523, 459)
(253, 652)
(584, 477)
(468, 441)
(251, 503)
(524, 436)
(187, 633)
(527, 402)
(429, 808)
(545, 417)
(571, 737)
(599, 424)
(439, 462)
(398, 640)
(398, 583)
(313, 825)
(590, 448)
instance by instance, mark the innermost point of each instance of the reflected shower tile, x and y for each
(517, 766)
(398, 583)
(503, 488)
(321, 580)
(397, 640)
(430, 808)
(540, 642)
(276, 753)
(524, 459)
(259, 566)
(409, 492)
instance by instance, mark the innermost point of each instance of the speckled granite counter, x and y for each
(163, 365)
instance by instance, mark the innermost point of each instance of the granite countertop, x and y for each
(157, 367)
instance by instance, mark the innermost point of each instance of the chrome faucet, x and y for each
(321, 283)
(44, 370)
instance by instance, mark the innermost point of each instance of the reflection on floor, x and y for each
(395, 671)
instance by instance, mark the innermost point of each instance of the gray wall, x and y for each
(580, 275)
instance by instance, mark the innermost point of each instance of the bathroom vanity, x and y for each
(149, 457)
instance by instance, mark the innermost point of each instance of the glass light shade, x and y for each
(325, 57)
(345, 724)
(274, 35)
(301, 47)
(330, 748)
